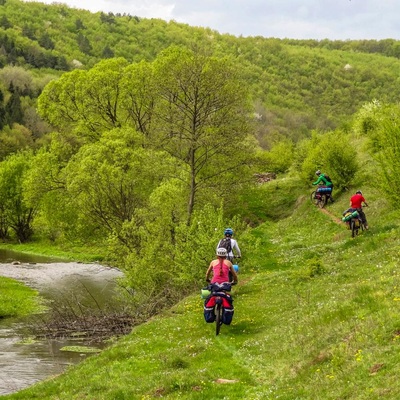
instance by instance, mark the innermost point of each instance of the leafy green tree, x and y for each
(107, 52)
(29, 32)
(86, 101)
(139, 95)
(194, 107)
(334, 154)
(112, 178)
(5, 23)
(379, 123)
(84, 44)
(14, 138)
(202, 116)
(46, 42)
(19, 212)
(13, 110)
(57, 216)
(279, 159)
(79, 25)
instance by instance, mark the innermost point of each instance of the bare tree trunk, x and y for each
(193, 186)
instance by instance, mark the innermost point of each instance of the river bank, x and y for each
(25, 362)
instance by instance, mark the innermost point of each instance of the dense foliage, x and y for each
(143, 136)
(296, 85)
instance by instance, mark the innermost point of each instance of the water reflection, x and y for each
(9, 256)
(23, 364)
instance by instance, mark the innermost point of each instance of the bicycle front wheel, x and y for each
(322, 202)
(314, 200)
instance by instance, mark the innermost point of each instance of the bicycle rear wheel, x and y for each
(354, 229)
(218, 318)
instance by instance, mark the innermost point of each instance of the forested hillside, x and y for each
(296, 86)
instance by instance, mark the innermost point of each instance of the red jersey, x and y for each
(357, 200)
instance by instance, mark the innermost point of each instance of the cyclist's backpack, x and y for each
(226, 244)
(328, 178)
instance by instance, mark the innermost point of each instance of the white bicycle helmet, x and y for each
(221, 252)
(318, 172)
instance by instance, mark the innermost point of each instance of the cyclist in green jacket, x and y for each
(324, 179)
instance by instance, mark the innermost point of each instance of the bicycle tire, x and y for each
(218, 318)
(313, 196)
(322, 202)
(314, 200)
(354, 230)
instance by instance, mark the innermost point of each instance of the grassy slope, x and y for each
(316, 317)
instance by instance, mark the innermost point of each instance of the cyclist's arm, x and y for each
(318, 180)
(236, 247)
(208, 273)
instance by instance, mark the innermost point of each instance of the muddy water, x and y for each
(21, 365)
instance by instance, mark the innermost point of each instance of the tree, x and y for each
(331, 152)
(379, 123)
(58, 214)
(19, 213)
(192, 106)
(139, 93)
(107, 52)
(13, 110)
(46, 42)
(5, 23)
(113, 178)
(84, 44)
(86, 101)
(202, 116)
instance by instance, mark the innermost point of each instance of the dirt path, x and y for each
(333, 217)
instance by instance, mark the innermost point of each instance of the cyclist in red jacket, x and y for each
(356, 203)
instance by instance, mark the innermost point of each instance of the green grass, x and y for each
(316, 317)
(65, 252)
(16, 299)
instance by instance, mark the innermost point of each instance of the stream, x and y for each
(23, 364)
